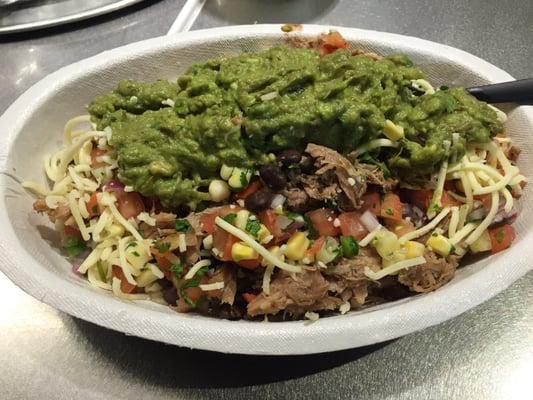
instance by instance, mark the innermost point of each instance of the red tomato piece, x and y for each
(315, 248)
(248, 297)
(448, 201)
(372, 202)
(92, 206)
(125, 286)
(270, 219)
(322, 220)
(253, 186)
(501, 237)
(207, 222)
(391, 207)
(351, 225)
(250, 264)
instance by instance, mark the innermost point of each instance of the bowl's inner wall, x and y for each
(42, 126)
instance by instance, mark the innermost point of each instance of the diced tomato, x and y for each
(419, 198)
(253, 186)
(248, 297)
(250, 264)
(391, 207)
(315, 248)
(96, 152)
(163, 262)
(270, 219)
(223, 242)
(92, 206)
(129, 204)
(449, 185)
(501, 237)
(193, 293)
(331, 42)
(322, 220)
(125, 286)
(448, 201)
(372, 202)
(207, 222)
(351, 225)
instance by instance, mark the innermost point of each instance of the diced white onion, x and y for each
(277, 200)
(369, 221)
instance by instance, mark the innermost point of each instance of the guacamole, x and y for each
(172, 137)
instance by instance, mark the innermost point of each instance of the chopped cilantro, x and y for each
(162, 247)
(389, 211)
(177, 269)
(350, 247)
(435, 207)
(253, 226)
(244, 177)
(229, 218)
(202, 271)
(182, 225)
(74, 246)
(195, 282)
(444, 87)
(131, 244)
(434, 234)
(408, 63)
(500, 235)
(135, 253)
(313, 233)
(94, 209)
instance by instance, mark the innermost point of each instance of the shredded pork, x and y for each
(429, 276)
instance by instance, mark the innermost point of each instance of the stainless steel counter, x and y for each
(486, 353)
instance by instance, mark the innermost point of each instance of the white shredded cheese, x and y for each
(391, 269)
(120, 294)
(368, 238)
(426, 228)
(74, 210)
(312, 316)
(256, 246)
(487, 221)
(212, 286)
(146, 218)
(182, 244)
(374, 144)
(196, 267)
(454, 221)
(344, 308)
(462, 233)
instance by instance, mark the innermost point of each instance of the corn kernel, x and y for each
(263, 235)
(413, 249)
(392, 131)
(241, 251)
(276, 252)
(225, 172)
(241, 219)
(296, 246)
(439, 244)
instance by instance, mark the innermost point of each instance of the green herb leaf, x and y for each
(244, 178)
(162, 247)
(229, 218)
(202, 271)
(434, 234)
(131, 244)
(135, 253)
(94, 209)
(500, 235)
(313, 233)
(182, 225)
(389, 211)
(177, 269)
(350, 247)
(253, 226)
(195, 282)
(74, 246)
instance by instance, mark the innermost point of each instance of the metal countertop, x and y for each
(486, 353)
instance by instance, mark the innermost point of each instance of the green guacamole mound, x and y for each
(172, 138)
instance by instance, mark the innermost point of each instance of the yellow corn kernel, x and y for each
(276, 252)
(225, 172)
(241, 251)
(392, 131)
(413, 249)
(439, 244)
(296, 246)
(115, 230)
(242, 219)
(137, 254)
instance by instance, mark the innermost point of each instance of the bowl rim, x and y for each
(282, 338)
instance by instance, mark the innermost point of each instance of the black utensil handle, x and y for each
(520, 91)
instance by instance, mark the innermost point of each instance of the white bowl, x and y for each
(33, 125)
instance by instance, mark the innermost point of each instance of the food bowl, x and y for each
(32, 127)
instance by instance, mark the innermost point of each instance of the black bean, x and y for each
(289, 157)
(273, 176)
(259, 200)
(171, 296)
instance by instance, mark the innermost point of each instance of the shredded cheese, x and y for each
(212, 286)
(344, 308)
(120, 294)
(454, 221)
(266, 278)
(369, 237)
(426, 228)
(182, 245)
(374, 144)
(487, 221)
(392, 269)
(74, 210)
(462, 233)
(256, 246)
(312, 316)
(196, 267)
